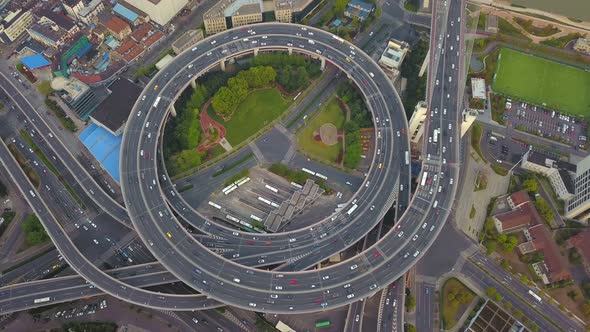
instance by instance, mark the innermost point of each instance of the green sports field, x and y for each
(537, 81)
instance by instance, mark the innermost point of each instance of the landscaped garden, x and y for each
(322, 136)
(456, 298)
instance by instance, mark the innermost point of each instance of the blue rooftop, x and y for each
(125, 12)
(104, 146)
(35, 61)
(365, 6)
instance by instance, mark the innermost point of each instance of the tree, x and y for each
(507, 305)
(544, 210)
(586, 309)
(257, 224)
(410, 328)
(3, 190)
(530, 185)
(340, 6)
(490, 246)
(534, 327)
(410, 302)
(510, 243)
(517, 313)
(34, 231)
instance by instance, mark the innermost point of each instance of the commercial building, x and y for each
(582, 45)
(53, 19)
(81, 11)
(112, 113)
(359, 9)
(558, 172)
(394, 54)
(76, 94)
(578, 206)
(159, 11)
(520, 216)
(14, 25)
(127, 14)
(186, 40)
(237, 12)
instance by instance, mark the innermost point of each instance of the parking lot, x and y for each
(549, 124)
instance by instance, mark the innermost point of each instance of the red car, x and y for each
(377, 254)
(318, 300)
(398, 227)
(250, 242)
(293, 282)
(268, 243)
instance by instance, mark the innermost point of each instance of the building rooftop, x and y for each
(478, 88)
(548, 161)
(12, 17)
(567, 181)
(554, 263)
(72, 86)
(115, 24)
(35, 61)
(127, 44)
(133, 53)
(519, 197)
(149, 41)
(226, 8)
(71, 3)
(48, 32)
(141, 31)
(493, 318)
(295, 5)
(186, 38)
(59, 19)
(115, 109)
(125, 12)
(516, 219)
(89, 8)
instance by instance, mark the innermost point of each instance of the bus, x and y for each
(533, 294)
(352, 209)
(407, 158)
(321, 176)
(157, 101)
(424, 177)
(325, 323)
(273, 189)
(497, 134)
(308, 171)
(435, 136)
(338, 38)
(41, 300)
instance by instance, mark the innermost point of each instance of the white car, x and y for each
(350, 296)
(95, 241)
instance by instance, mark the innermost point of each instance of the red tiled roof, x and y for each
(153, 38)
(519, 197)
(88, 79)
(126, 46)
(555, 263)
(136, 51)
(582, 242)
(141, 32)
(116, 24)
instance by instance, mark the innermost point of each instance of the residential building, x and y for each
(48, 35)
(239, 12)
(558, 172)
(394, 54)
(112, 113)
(116, 26)
(129, 50)
(53, 19)
(521, 215)
(86, 13)
(159, 11)
(14, 25)
(581, 242)
(77, 95)
(141, 32)
(186, 40)
(553, 267)
(359, 9)
(582, 45)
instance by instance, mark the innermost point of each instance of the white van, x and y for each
(435, 204)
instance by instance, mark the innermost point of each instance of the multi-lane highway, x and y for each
(235, 284)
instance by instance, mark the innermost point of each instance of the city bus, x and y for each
(157, 101)
(352, 209)
(41, 300)
(325, 323)
(424, 177)
(407, 158)
(533, 294)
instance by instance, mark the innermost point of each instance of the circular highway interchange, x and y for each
(278, 291)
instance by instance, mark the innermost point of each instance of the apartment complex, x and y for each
(159, 11)
(14, 25)
(86, 13)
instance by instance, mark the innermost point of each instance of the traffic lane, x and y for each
(484, 282)
(425, 306)
(517, 286)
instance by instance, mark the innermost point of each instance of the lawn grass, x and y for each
(456, 298)
(542, 82)
(476, 133)
(506, 28)
(331, 113)
(259, 109)
(561, 42)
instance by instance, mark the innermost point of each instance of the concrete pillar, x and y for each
(173, 110)
(193, 84)
(256, 51)
(323, 64)
(222, 64)
(290, 50)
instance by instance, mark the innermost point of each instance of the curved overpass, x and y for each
(234, 284)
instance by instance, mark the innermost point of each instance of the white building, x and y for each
(85, 13)
(478, 88)
(159, 11)
(394, 54)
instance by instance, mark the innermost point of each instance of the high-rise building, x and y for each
(14, 25)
